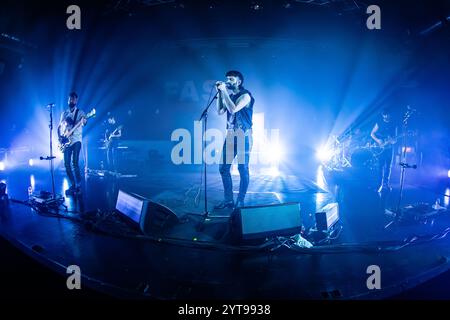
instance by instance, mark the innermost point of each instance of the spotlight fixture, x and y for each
(448, 173)
(30, 162)
(2, 166)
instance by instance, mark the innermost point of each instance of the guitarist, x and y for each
(113, 133)
(384, 133)
(70, 118)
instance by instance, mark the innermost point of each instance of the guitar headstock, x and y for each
(91, 114)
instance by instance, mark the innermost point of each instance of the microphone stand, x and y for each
(56, 200)
(204, 117)
(404, 165)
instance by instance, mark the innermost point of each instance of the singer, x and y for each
(237, 102)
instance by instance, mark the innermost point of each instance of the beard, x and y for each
(231, 86)
(72, 105)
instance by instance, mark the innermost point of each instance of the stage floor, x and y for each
(197, 263)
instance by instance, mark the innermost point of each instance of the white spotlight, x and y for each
(276, 153)
(324, 154)
(30, 162)
(2, 166)
(274, 171)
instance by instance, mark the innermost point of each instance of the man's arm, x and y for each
(82, 118)
(373, 134)
(220, 106)
(243, 101)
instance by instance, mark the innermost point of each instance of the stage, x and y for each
(192, 262)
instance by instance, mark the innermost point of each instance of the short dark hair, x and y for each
(73, 94)
(234, 73)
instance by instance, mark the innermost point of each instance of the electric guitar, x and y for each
(111, 137)
(378, 149)
(65, 139)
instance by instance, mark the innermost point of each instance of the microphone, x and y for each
(408, 166)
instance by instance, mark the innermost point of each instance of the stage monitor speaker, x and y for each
(327, 217)
(258, 222)
(152, 218)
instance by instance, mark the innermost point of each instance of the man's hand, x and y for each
(221, 86)
(84, 121)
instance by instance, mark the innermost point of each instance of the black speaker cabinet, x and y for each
(259, 222)
(152, 218)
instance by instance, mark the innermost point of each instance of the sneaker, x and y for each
(225, 205)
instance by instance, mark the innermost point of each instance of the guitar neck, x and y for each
(75, 128)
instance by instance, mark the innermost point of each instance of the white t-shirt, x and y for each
(78, 133)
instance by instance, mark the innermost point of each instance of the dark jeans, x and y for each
(72, 156)
(385, 161)
(242, 151)
(111, 157)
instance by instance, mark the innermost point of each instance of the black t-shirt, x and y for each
(385, 129)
